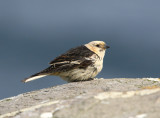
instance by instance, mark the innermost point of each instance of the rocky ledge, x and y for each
(101, 98)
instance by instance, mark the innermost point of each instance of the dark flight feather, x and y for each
(64, 63)
(73, 54)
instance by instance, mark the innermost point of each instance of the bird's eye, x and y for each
(98, 45)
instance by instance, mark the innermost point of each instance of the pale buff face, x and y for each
(97, 47)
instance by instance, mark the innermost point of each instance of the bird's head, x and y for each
(97, 47)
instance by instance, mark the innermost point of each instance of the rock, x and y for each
(103, 98)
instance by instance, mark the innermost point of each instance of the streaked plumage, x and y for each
(78, 64)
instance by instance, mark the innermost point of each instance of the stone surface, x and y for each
(102, 98)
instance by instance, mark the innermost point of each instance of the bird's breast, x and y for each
(97, 65)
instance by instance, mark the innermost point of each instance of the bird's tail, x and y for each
(33, 77)
(43, 73)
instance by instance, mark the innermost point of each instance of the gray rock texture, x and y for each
(100, 98)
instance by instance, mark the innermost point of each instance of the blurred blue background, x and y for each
(32, 33)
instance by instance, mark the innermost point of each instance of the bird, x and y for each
(82, 63)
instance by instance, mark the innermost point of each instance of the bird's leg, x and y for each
(89, 79)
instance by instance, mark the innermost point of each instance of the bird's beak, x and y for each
(106, 47)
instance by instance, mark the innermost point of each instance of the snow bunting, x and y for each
(82, 63)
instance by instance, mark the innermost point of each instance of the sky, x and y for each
(33, 33)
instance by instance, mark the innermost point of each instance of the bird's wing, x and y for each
(73, 55)
(74, 58)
